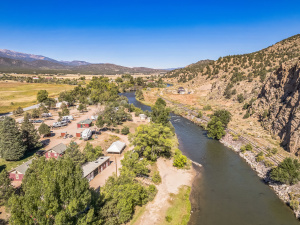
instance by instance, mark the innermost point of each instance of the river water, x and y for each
(226, 190)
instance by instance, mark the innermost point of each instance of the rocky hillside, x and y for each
(278, 105)
(227, 73)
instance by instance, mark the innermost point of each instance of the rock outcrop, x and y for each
(278, 104)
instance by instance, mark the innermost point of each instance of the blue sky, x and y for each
(158, 34)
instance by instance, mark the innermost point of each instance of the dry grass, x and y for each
(15, 94)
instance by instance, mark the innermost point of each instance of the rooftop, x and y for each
(91, 166)
(22, 168)
(86, 121)
(116, 147)
(60, 148)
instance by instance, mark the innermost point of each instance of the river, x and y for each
(226, 191)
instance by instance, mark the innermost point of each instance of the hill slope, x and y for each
(278, 105)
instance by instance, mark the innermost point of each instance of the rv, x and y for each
(70, 117)
(86, 134)
(46, 115)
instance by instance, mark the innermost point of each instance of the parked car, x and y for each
(37, 121)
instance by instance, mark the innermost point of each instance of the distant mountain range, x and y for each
(18, 62)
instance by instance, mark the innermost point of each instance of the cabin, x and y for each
(116, 147)
(84, 123)
(18, 173)
(181, 90)
(92, 169)
(56, 151)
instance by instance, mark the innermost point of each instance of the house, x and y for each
(56, 151)
(84, 123)
(92, 169)
(181, 90)
(35, 78)
(116, 147)
(143, 117)
(18, 173)
(59, 104)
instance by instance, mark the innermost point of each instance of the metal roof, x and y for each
(91, 166)
(60, 148)
(22, 169)
(116, 147)
(86, 121)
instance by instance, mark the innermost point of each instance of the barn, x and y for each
(56, 151)
(116, 147)
(92, 169)
(18, 173)
(84, 123)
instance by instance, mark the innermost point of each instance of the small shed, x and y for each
(92, 169)
(59, 104)
(18, 173)
(181, 90)
(143, 117)
(56, 151)
(84, 123)
(116, 147)
(63, 133)
(78, 134)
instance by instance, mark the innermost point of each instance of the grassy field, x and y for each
(179, 212)
(15, 94)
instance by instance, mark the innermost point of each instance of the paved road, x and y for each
(25, 109)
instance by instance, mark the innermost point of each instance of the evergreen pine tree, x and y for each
(29, 134)
(12, 147)
(6, 189)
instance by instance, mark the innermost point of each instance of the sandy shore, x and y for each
(172, 180)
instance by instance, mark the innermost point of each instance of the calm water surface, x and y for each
(226, 191)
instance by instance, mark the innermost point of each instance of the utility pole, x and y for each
(116, 167)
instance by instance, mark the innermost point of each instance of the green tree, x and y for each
(42, 95)
(29, 133)
(287, 172)
(223, 115)
(53, 192)
(160, 113)
(215, 128)
(156, 178)
(12, 147)
(72, 152)
(35, 113)
(81, 107)
(6, 189)
(125, 130)
(121, 195)
(92, 153)
(19, 111)
(132, 162)
(44, 129)
(153, 140)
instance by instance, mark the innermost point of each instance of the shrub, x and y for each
(240, 98)
(294, 204)
(117, 131)
(265, 114)
(179, 159)
(200, 114)
(168, 219)
(246, 116)
(259, 157)
(207, 108)
(268, 163)
(156, 178)
(125, 130)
